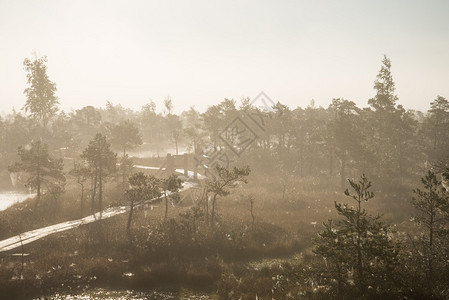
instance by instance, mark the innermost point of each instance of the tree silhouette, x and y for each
(141, 188)
(81, 172)
(432, 204)
(125, 136)
(220, 185)
(170, 185)
(384, 85)
(102, 162)
(358, 242)
(41, 102)
(41, 168)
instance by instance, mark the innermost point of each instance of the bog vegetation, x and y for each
(340, 202)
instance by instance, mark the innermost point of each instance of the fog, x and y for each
(7, 199)
(200, 52)
(211, 150)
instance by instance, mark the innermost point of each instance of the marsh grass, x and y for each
(158, 253)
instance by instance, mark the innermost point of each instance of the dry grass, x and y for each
(101, 254)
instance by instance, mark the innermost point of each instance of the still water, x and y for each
(9, 198)
(103, 294)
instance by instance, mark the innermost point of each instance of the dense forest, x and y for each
(337, 202)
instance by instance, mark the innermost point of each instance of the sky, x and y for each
(201, 52)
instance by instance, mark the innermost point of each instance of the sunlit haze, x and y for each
(200, 52)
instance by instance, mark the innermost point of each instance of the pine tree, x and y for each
(41, 168)
(345, 135)
(432, 204)
(102, 162)
(125, 136)
(392, 127)
(384, 85)
(358, 247)
(436, 127)
(141, 188)
(220, 184)
(82, 173)
(170, 186)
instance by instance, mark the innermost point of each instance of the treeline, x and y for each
(357, 255)
(384, 139)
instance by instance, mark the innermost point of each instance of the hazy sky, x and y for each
(200, 52)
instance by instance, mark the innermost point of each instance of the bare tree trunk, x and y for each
(38, 182)
(339, 280)
(331, 163)
(430, 255)
(128, 226)
(343, 173)
(176, 145)
(82, 198)
(21, 245)
(166, 206)
(359, 252)
(206, 206)
(212, 214)
(94, 192)
(100, 195)
(284, 189)
(251, 201)
(38, 189)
